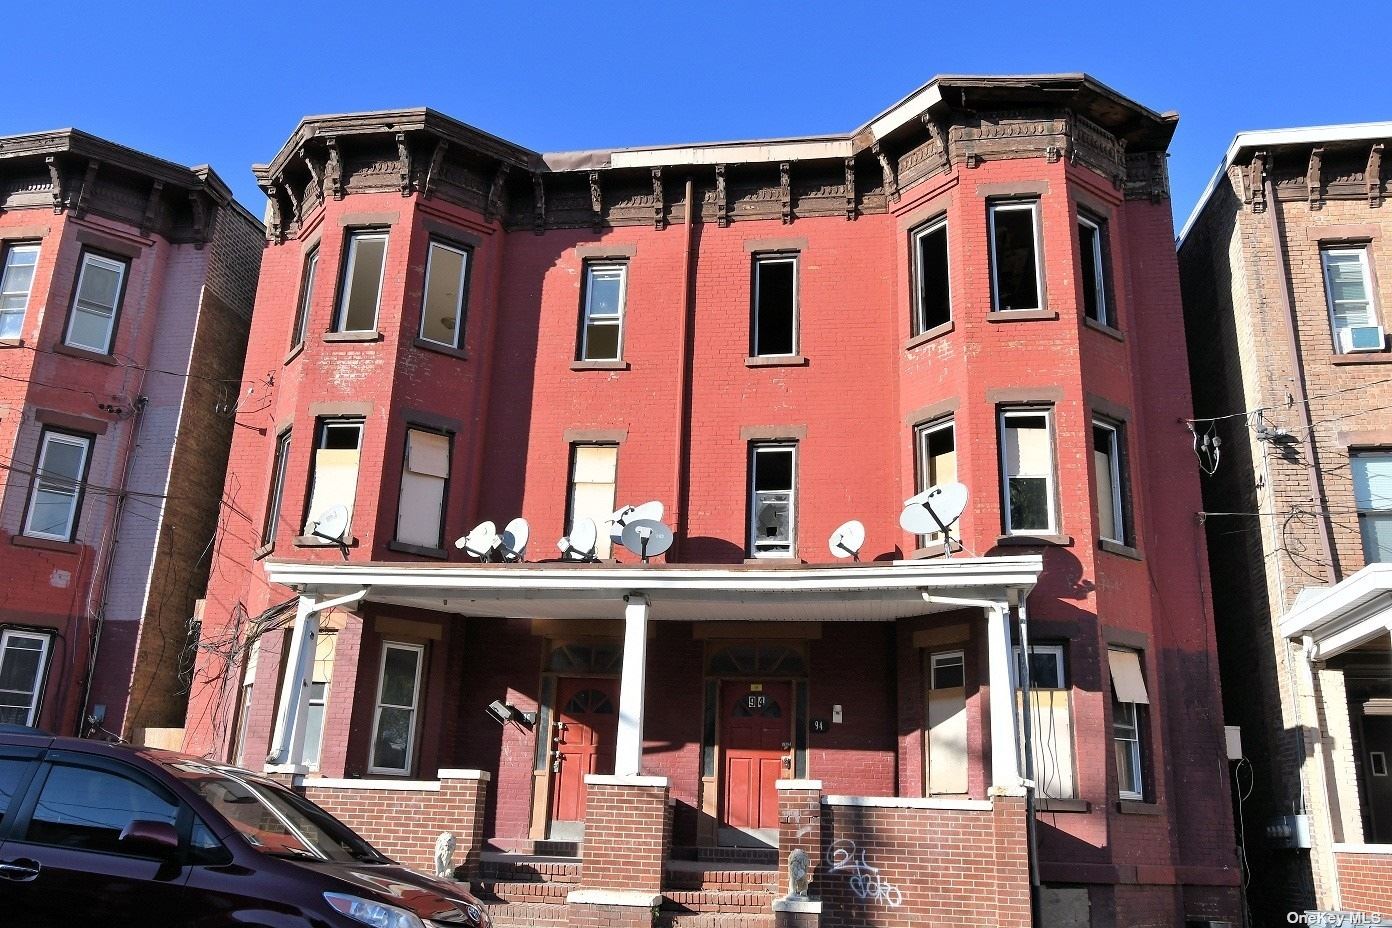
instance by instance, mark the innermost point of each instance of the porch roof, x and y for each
(1345, 615)
(872, 592)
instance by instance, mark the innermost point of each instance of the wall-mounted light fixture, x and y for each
(503, 713)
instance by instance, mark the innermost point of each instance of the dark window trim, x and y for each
(120, 300)
(280, 464)
(81, 486)
(462, 310)
(1123, 479)
(1110, 320)
(52, 635)
(448, 435)
(918, 327)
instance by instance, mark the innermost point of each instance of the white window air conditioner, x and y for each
(1361, 338)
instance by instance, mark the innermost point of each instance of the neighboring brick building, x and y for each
(770, 338)
(126, 285)
(1287, 274)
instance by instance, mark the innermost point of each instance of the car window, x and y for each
(84, 808)
(204, 846)
(12, 771)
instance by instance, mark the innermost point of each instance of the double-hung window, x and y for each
(1109, 478)
(775, 305)
(23, 663)
(1352, 312)
(601, 324)
(1027, 471)
(593, 472)
(1092, 245)
(252, 652)
(16, 280)
(319, 695)
(307, 277)
(360, 291)
(1129, 698)
(1017, 279)
(56, 495)
(334, 481)
(446, 295)
(277, 489)
(1372, 493)
(398, 696)
(937, 460)
(420, 514)
(772, 500)
(96, 302)
(1050, 718)
(932, 290)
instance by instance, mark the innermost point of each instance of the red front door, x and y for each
(587, 716)
(755, 736)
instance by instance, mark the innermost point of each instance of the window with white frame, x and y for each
(446, 294)
(334, 479)
(56, 494)
(945, 737)
(307, 278)
(1352, 312)
(937, 462)
(360, 292)
(601, 335)
(1027, 471)
(277, 489)
(1129, 699)
(1109, 478)
(394, 719)
(252, 651)
(772, 502)
(1092, 246)
(775, 305)
(23, 663)
(420, 513)
(96, 302)
(16, 281)
(1017, 280)
(593, 472)
(1372, 494)
(932, 287)
(1050, 720)
(322, 677)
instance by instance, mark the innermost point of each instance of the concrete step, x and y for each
(760, 856)
(528, 846)
(529, 915)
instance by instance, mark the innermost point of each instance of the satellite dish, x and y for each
(513, 544)
(332, 524)
(579, 545)
(647, 538)
(846, 540)
(626, 514)
(481, 542)
(934, 510)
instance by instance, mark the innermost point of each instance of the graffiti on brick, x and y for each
(866, 882)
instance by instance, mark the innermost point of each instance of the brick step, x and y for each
(525, 891)
(755, 856)
(525, 868)
(528, 846)
(724, 902)
(695, 874)
(713, 920)
(529, 915)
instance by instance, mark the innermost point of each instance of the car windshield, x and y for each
(276, 821)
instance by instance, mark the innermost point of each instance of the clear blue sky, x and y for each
(225, 83)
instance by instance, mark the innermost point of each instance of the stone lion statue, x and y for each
(444, 855)
(799, 874)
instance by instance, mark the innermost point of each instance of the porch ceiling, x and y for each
(875, 592)
(1344, 616)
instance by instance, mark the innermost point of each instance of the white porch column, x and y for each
(287, 745)
(628, 748)
(1005, 758)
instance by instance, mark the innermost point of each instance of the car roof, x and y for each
(34, 737)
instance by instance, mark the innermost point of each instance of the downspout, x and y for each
(681, 492)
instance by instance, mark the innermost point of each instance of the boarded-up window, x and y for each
(946, 737)
(937, 462)
(593, 470)
(420, 514)
(446, 290)
(319, 694)
(335, 478)
(1051, 721)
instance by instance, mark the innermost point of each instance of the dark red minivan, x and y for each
(96, 833)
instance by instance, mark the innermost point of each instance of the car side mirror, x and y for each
(144, 836)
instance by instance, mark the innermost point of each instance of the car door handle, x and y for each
(20, 870)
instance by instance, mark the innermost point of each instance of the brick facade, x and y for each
(1365, 881)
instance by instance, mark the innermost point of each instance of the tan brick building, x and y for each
(1287, 273)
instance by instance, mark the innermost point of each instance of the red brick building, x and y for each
(126, 285)
(770, 338)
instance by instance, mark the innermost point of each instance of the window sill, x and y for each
(294, 353)
(262, 551)
(11, 343)
(404, 548)
(1062, 805)
(1370, 357)
(1114, 547)
(314, 541)
(46, 544)
(934, 550)
(781, 560)
(1105, 329)
(85, 353)
(599, 365)
(1021, 315)
(352, 336)
(1138, 807)
(1035, 541)
(426, 345)
(928, 335)
(776, 360)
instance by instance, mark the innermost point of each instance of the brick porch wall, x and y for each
(403, 818)
(1365, 880)
(628, 832)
